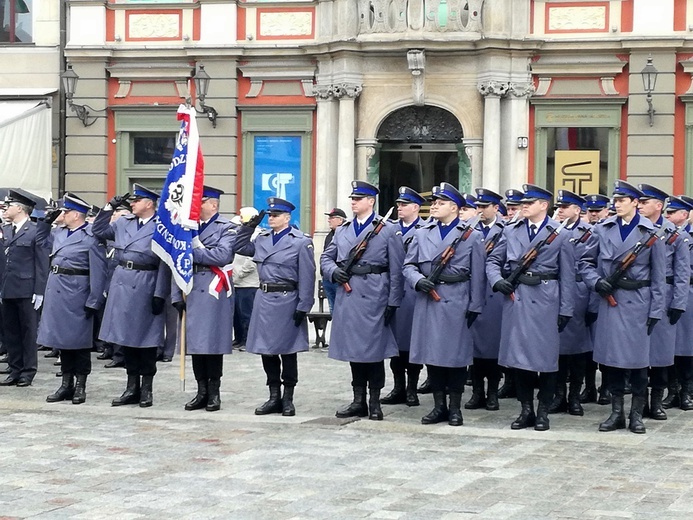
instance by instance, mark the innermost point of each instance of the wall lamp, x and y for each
(69, 79)
(649, 80)
(202, 80)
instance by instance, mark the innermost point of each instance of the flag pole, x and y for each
(181, 335)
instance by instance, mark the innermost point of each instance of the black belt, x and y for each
(691, 281)
(369, 269)
(632, 285)
(670, 280)
(199, 268)
(70, 272)
(127, 264)
(278, 287)
(453, 278)
(530, 278)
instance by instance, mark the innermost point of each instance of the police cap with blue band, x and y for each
(676, 203)
(277, 205)
(470, 200)
(502, 209)
(534, 192)
(625, 189)
(652, 192)
(686, 199)
(568, 197)
(485, 197)
(142, 192)
(208, 192)
(513, 197)
(447, 191)
(360, 189)
(71, 202)
(409, 196)
(597, 202)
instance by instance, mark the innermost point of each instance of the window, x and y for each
(16, 21)
(152, 149)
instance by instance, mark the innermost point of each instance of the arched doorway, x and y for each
(419, 147)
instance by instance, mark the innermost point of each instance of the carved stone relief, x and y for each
(493, 88)
(146, 26)
(396, 16)
(426, 124)
(286, 24)
(577, 18)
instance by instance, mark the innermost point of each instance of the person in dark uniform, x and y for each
(440, 337)
(678, 276)
(361, 332)
(22, 287)
(74, 294)
(541, 307)
(405, 373)
(134, 315)
(622, 339)
(278, 329)
(335, 218)
(210, 303)
(486, 330)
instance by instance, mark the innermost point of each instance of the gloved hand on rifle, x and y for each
(674, 315)
(389, 313)
(299, 316)
(425, 285)
(339, 275)
(503, 286)
(563, 322)
(651, 322)
(471, 318)
(603, 288)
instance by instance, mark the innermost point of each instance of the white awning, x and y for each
(25, 146)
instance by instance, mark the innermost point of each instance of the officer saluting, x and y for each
(409, 204)
(134, 315)
(74, 294)
(440, 338)
(361, 333)
(278, 329)
(542, 303)
(210, 302)
(622, 339)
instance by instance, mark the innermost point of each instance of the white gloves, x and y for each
(37, 300)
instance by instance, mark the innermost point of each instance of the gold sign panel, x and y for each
(577, 171)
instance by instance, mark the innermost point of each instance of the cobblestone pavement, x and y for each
(94, 461)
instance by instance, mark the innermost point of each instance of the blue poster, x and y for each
(277, 171)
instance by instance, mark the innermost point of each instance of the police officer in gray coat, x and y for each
(22, 286)
(440, 337)
(678, 277)
(622, 339)
(278, 329)
(209, 306)
(539, 308)
(405, 373)
(361, 332)
(486, 330)
(74, 294)
(134, 315)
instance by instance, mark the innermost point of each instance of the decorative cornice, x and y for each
(493, 88)
(347, 90)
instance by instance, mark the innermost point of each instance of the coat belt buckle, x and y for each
(54, 269)
(263, 287)
(129, 264)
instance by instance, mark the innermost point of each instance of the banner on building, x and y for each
(179, 206)
(577, 171)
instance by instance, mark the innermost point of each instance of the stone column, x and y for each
(515, 123)
(325, 157)
(365, 150)
(492, 92)
(346, 167)
(473, 149)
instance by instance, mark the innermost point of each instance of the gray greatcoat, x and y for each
(209, 320)
(684, 328)
(663, 342)
(529, 332)
(576, 338)
(404, 317)
(621, 338)
(64, 324)
(292, 259)
(440, 336)
(486, 330)
(128, 318)
(359, 333)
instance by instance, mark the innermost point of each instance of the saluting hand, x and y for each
(254, 222)
(51, 216)
(651, 322)
(118, 200)
(299, 316)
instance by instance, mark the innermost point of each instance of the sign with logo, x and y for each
(577, 171)
(277, 171)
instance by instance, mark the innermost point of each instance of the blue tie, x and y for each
(532, 231)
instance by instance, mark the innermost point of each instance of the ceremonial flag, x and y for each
(179, 206)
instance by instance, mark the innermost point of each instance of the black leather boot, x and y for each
(65, 391)
(508, 390)
(106, 354)
(541, 424)
(273, 404)
(375, 412)
(412, 381)
(425, 387)
(686, 398)
(439, 412)
(147, 392)
(617, 419)
(213, 395)
(478, 399)
(288, 409)
(589, 393)
(80, 390)
(398, 395)
(656, 411)
(574, 406)
(559, 404)
(358, 407)
(526, 417)
(201, 397)
(131, 394)
(492, 393)
(455, 413)
(635, 423)
(673, 399)
(604, 395)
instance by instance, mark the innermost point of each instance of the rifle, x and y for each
(530, 256)
(673, 235)
(447, 255)
(630, 258)
(356, 253)
(585, 236)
